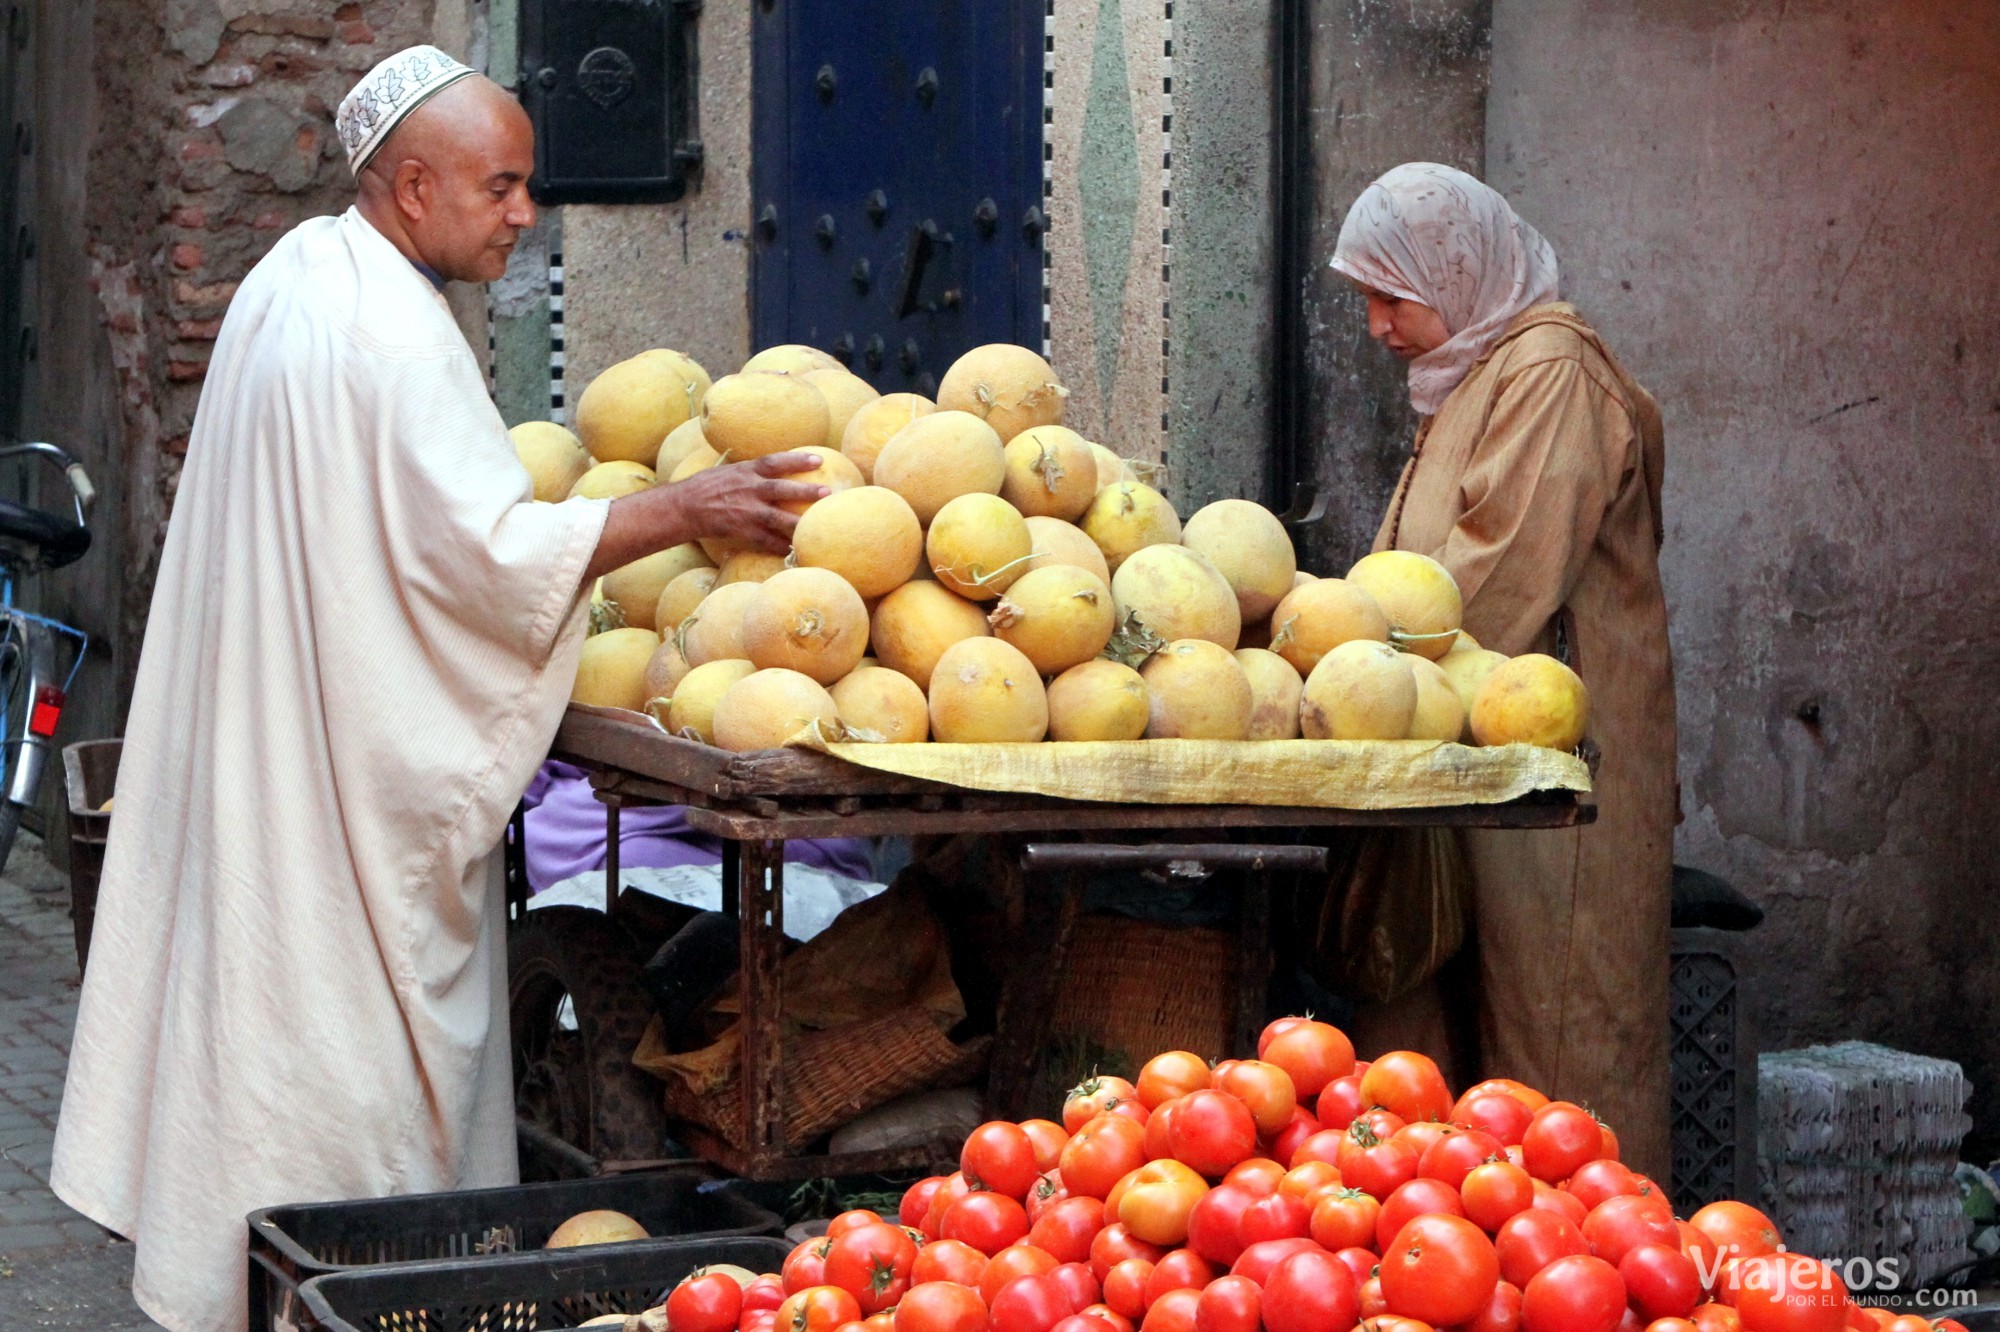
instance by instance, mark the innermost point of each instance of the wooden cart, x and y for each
(756, 802)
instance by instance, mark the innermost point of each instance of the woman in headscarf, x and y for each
(1535, 479)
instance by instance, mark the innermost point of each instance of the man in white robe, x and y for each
(363, 635)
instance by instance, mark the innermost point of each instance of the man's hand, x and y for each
(733, 501)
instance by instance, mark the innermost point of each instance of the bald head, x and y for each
(450, 184)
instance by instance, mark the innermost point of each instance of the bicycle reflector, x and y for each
(47, 711)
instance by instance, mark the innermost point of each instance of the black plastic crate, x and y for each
(523, 1292)
(289, 1245)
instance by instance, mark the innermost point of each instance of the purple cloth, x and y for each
(566, 835)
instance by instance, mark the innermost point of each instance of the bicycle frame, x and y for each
(32, 639)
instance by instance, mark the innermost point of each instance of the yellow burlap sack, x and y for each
(1332, 774)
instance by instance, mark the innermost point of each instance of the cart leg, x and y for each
(761, 897)
(1253, 957)
(732, 871)
(611, 807)
(1028, 991)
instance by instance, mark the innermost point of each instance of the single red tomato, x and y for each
(1289, 1138)
(1313, 1054)
(1310, 1292)
(1030, 1304)
(1215, 1224)
(1118, 1322)
(1660, 1281)
(1786, 1292)
(1174, 1073)
(1379, 1169)
(1500, 1116)
(1452, 1157)
(1502, 1312)
(1441, 1269)
(1424, 1135)
(1737, 1229)
(1409, 1084)
(1391, 1323)
(852, 1219)
(1672, 1325)
(1701, 1250)
(1067, 1228)
(1159, 1199)
(1520, 1091)
(1714, 1317)
(941, 1306)
(1275, 1217)
(1362, 1262)
(1619, 1224)
(1339, 1102)
(818, 1309)
(759, 1320)
(1183, 1269)
(1324, 1146)
(1343, 1218)
(1307, 1178)
(1265, 1089)
(1084, 1289)
(1276, 1027)
(1595, 1181)
(763, 1294)
(1048, 1138)
(1229, 1304)
(1494, 1192)
(1103, 1152)
(1125, 1287)
(1419, 1197)
(1610, 1142)
(1553, 1199)
(1048, 1191)
(1259, 1260)
(1085, 1321)
(1211, 1132)
(872, 1263)
(916, 1202)
(1158, 1146)
(1373, 1303)
(948, 1260)
(1577, 1293)
(1559, 1140)
(989, 1222)
(1529, 1241)
(1116, 1243)
(705, 1302)
(805, 1265)
(955, 1186)
(1173, 1312)
(1011, 1263)
(879, 1322)
(1260, 1175)
(1000, 1156)
(1096, 1095)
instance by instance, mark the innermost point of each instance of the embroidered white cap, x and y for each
(388, 93)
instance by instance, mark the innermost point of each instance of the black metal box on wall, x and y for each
(610, 86)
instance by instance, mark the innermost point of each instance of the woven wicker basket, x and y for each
(1133, 988)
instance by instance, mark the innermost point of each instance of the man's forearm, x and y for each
(637, 526)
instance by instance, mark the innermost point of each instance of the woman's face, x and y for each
(1406, 328)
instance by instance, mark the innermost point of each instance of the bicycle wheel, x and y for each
(13, 725)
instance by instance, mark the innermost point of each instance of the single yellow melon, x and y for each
(1128, 517)
(665, 669)
(1177, 594)
(1010, 388)
(1301, 578)
(984, 691)
(1248, 546)
(611, 480)
(1059, 617)
(713, 630)
(682, 440)
(748, 566)
(1051, 473)
(1419, 596)
(554, 458)
(679, 597)
(1467, 669)
(1465, 642)
(768, 707)
(1360, 690)
(1111, 469)
(692, 711)
(699, 458)
(846, 393)
(1275, 691)
(885, 702)
(611, 673)
(628, 409)
(1098, 700)
(875, 422)
(977, 546)
(913, 625)
(790, 358)
(939, 457)
(1439, 714)
(1531, 699)
(1196, 690)
(1318, 616)
(834, 472)
(1058, 542)
(806, 620)
(636, 587)
(597, 1227)
(754, 414)
(869, 535)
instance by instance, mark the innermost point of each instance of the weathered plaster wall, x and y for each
(1392, 81)
(1782, 214)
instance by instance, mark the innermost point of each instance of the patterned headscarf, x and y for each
(1434, 235)
(387, 94)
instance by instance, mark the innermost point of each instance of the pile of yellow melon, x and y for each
(981, 573)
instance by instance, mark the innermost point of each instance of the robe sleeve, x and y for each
(1540, 481)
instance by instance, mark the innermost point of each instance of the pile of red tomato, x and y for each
(1299, 1191)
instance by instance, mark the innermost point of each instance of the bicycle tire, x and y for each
(13, 718)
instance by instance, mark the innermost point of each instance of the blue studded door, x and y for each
(897, 181)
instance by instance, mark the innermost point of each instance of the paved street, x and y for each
(57, 1270)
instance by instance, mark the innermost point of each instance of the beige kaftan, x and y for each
(363, 636)
(1538, 485)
